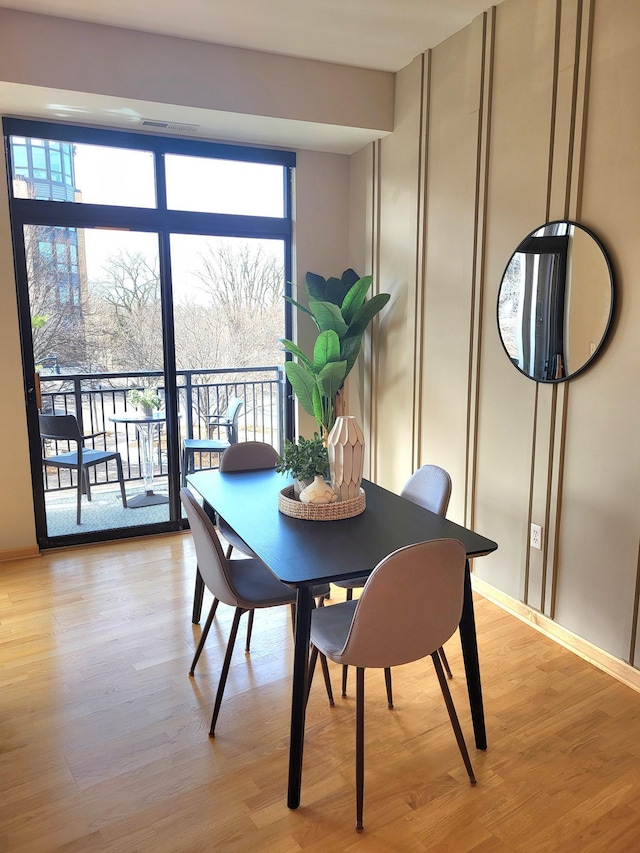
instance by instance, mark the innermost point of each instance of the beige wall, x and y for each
(497, 133)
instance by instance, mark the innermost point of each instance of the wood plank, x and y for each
(104, 746)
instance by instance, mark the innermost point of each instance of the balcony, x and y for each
(94, 398)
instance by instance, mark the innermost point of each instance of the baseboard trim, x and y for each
(19, 553)
(618, 669)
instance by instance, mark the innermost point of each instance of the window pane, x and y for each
(224, 186)
(95, 174)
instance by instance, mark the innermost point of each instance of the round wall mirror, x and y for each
(555, 302)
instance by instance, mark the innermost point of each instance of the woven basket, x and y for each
(288, 505)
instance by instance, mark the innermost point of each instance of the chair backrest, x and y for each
(429, 487)
(231, 418)
(60, 428)
(212, 564)
(249, 456)
(410, 605)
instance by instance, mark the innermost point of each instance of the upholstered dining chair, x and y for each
(429, 487)
(243, 584)
(65, 428)
(250, 456)
(410, 605)
(191, 446)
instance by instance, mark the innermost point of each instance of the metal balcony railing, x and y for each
(94, 397)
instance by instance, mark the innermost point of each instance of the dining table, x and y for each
(303, 553)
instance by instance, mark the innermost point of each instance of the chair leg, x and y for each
(203, 635)
(121, 480)
(79, 506)
(87, 483)
(327, 679)
(247, 646)
(455, 723)
(225, 669)
(359, 747)
(313, 657)
(387, 681)
(445, 662)
(345, 669)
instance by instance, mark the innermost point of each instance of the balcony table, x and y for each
(304, 553)
(147, 426)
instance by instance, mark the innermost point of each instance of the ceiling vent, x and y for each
(171, 126)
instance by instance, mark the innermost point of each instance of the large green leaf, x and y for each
(303, 383)
(365, 314)
(328, 316)
(331, 289)
(355, 297)
(349, 349)
(317, 410)
(331, 378)
(325, 350)
(298, 305)
(294, 349)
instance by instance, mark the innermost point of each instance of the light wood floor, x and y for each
(104, 747)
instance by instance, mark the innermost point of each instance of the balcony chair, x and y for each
(250, 456)
(410, 605)
(191, 446)
(429, 487)
(243, 584)
(66, 428)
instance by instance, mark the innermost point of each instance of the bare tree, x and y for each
(127, 316)
(55, 296)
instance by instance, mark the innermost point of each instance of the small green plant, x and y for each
(147, 398)
(304, 458)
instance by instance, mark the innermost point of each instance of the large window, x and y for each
(152, 263)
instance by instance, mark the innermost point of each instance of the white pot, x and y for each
(318, 492)
(345, 445)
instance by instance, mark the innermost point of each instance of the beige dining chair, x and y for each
(410, 605)
(243, 584)
(251, 456)
(429, 487)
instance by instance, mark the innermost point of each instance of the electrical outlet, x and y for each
(535, 537)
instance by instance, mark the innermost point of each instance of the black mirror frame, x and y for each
(607, 328)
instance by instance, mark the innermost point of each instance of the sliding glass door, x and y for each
(151, 275)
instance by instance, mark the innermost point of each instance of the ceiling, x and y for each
(379, 34)
(384, 35)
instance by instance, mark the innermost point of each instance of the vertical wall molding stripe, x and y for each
(478, 264)
(421, 255)
(373, 350)
(582, 108)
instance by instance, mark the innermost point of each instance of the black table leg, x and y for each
(471, 664)
(198, 595)
(299, 693)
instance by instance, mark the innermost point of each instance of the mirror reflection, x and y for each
(555, 302)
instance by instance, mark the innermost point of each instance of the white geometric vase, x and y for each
(345, 445)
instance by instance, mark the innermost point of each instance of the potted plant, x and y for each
(303, 459)
(146, 399)
(341, 313)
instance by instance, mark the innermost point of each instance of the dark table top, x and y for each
(301, 552)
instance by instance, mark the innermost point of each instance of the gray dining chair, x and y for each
(243, 584)
(251, 456)
(429, 487)
(65, 428)
(191, 446)
(410, 605)
(246, 585)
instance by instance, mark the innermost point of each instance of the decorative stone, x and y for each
(318, 492)
(345, 445)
